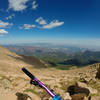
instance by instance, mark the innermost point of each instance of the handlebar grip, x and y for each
(28, 73)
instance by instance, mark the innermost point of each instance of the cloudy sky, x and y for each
(55, 21)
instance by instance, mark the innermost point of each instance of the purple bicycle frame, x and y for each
(38, 82)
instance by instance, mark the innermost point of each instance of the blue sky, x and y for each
(55, 21)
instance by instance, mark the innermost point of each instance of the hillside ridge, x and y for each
(15, 84)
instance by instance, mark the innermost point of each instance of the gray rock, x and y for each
(5, 83)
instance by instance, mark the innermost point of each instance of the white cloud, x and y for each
(3, 32)
(41, 21)
(53, 24)
(17, 5)
(27, 26)
(10, 17)
(42, 24)
(34, 5)
(5, 24)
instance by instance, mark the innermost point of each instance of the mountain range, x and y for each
(56, 55)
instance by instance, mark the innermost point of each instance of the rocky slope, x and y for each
(74, 84)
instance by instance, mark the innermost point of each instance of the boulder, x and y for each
(80, 91)
(22, 96)
(80, 84)
(92, 91)
(66, 96)
(98, 73)
(85, 98)
(83, 88)
(85, 80)
(33, 96)
(95, 98)
(75, 89)
(80, 96)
